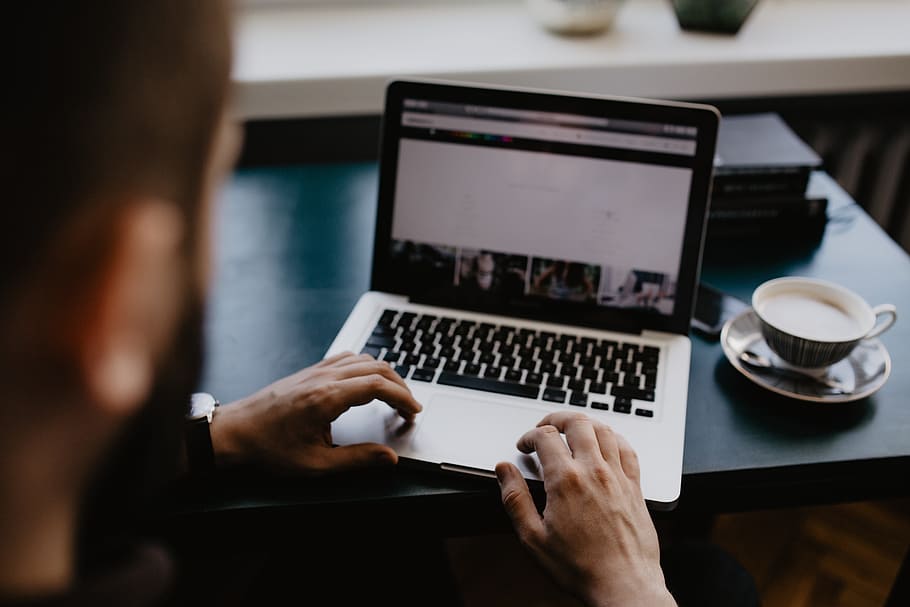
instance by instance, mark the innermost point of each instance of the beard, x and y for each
(144, 458)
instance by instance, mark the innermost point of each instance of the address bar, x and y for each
(650, 143)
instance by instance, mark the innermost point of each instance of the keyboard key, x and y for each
(646, 359)
(598, 387)
(513, 375)
(644, 412)
(554, 395)
(371, 350)
(579, 399)
(452, 366)
(600, 405)
(423, 374)
(633, 392)
(628, 367)
(527, 364)
(622, 405)
(402, 370)
(387, 317)
(525, 353)
(556, 381)
(391, 356)
(493, 372)
(431, 363)
(577, 384)
(472, 369)
(411, 359)
(534, 378)
(383, 331)
(487, 385)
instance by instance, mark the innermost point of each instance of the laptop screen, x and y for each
(498, 207)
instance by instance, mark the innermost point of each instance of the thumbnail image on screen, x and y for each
(564, 280)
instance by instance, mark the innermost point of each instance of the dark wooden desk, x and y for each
(294, 247)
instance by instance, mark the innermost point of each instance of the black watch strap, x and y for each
(200, 454)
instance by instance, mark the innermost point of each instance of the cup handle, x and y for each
(880, 310)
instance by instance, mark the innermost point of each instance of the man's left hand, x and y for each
(287, 425)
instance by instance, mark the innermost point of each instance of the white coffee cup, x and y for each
(813, 323)
(575, 16)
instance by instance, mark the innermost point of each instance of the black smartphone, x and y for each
(713, 308)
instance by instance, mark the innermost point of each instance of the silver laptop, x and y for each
(534, 252)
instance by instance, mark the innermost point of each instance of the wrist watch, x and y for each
(199, 452)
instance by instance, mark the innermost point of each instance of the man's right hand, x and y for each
(595, 536)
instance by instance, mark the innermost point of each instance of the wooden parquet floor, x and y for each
(833, 556)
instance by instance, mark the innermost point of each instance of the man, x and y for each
(115, 136)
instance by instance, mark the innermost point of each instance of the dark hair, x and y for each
(104, 98)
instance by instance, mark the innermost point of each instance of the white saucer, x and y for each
(861, 374)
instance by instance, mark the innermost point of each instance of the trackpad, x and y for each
(477, 433)
(375, 422)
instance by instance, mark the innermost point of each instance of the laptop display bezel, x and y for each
(704, 118)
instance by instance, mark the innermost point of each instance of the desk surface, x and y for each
(294, 249)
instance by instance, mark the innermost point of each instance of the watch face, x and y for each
(202, 405)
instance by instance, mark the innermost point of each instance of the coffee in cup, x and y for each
(813, 323)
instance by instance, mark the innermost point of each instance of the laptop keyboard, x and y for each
(554, 367)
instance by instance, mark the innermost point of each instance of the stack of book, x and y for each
(761, 178)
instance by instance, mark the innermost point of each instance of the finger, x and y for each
(295, 378)
(550, 448)
(354, 360)
(609, 447)
(331, 360)
(516, 499)
(579, 431)
(343, 394)
(356, 456)
(368, 367)
(628, 459)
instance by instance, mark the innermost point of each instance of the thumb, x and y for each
(516, 499)
(361, 455)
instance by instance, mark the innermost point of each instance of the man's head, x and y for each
(113, 136)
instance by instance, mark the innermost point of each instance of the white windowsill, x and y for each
(334, 60)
